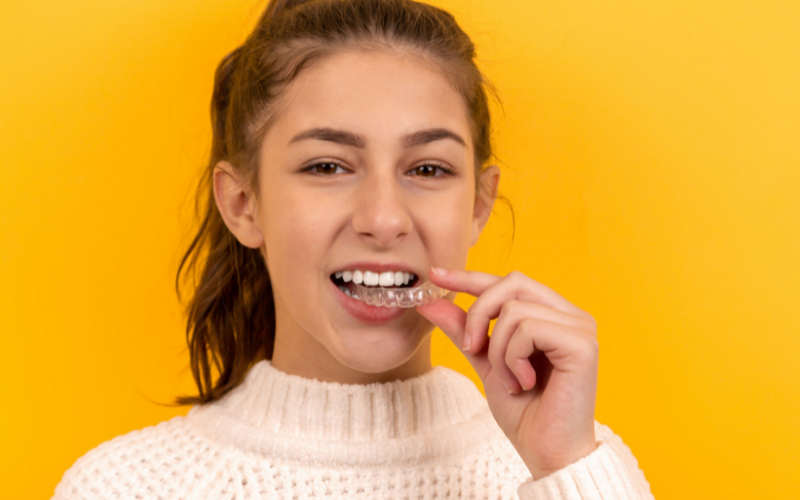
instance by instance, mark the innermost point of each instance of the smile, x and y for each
(354, 288)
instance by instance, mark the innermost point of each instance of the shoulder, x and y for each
(139, 461)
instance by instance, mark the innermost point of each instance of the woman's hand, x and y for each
(539, 367)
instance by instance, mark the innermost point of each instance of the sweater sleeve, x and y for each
(611, 472)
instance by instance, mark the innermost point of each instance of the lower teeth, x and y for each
(398, 297)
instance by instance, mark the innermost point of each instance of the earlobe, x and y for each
(484, 200)
(234, 199)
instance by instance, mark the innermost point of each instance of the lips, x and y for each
(387, 275)
(363, 312)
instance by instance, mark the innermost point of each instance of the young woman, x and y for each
(351, 148)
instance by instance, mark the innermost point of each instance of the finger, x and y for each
(476, 283)
(567, 349)
(458, 280)
(507, 321)
(517, 286)
(451, 320)
(521, 347)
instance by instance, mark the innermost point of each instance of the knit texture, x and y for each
(283, 436)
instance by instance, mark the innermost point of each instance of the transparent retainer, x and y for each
(399, 297)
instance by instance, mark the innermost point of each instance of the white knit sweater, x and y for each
(283, 436)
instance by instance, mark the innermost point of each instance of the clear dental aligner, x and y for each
(426, 293)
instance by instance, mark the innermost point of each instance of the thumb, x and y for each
(451, 319)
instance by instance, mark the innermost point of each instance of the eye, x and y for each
(430, 170)
(325, 169)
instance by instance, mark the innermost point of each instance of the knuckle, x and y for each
(591, 330)
(591, 349)
(529, 325)
(511, 308)
(516, 276)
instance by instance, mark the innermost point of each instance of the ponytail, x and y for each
(231, 316)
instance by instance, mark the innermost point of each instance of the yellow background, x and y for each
(651, 151)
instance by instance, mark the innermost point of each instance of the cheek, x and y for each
(297, 234)
(446, 228)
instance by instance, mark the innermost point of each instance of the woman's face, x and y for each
(369, 166)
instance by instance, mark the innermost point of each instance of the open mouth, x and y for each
(346, 281)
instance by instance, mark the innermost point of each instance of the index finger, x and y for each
(525, 288)
(458, 280)
(451, 319)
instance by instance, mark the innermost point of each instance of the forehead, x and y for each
(381, 95)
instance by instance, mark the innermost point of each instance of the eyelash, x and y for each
(311, 169)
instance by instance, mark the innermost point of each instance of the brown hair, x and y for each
(231, 314)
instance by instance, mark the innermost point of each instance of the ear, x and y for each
(236, 204)
(485, 196)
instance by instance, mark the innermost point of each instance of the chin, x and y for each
(378, 352)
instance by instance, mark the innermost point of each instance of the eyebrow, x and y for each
(357, 141)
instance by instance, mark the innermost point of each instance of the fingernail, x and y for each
(467, 342)
(507, 387)
(438, 270)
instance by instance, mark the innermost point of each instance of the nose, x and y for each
(381, 214)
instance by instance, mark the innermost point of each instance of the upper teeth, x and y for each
(374, 279)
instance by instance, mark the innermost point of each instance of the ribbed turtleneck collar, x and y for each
(273, 412)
